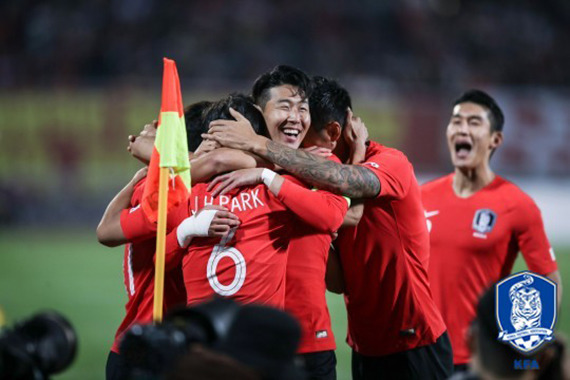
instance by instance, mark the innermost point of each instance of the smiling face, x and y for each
(287, 115)
(469, 136)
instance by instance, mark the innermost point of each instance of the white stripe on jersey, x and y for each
(131, 289)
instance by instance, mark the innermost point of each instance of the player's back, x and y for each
(384, 260)
(249, 265)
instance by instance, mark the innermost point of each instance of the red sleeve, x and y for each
(532, 240)
(136, 227)
(138, 192)
(173, 252)
(320, 209)
(394, 172)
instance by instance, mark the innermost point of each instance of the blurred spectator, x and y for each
(435, 42)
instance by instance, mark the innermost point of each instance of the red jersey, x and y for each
(249, 266)
(384, 259)
(474, 243)
(305, 286)
(138, 275)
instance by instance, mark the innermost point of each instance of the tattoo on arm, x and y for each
(350, 180)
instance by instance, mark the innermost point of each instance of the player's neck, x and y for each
(467, 182)
(342, 151)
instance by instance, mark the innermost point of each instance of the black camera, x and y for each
(150, 350)
(37, 347)
(258, 337)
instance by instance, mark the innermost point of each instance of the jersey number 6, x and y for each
(220, 251)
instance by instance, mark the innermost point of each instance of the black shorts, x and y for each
(116, 368)
(319, 365)
(434, 361)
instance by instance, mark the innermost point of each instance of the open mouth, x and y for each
(291, 132)
(462, 149)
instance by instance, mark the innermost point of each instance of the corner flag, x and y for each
(170, 147)
(168, 178)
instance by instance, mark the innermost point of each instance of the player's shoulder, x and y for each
(376, 154)
(512, 194)
(377, 148)
(435, 185)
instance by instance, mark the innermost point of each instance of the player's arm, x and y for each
(555, 276)
(321, 210)
(334, 277)
(353, 181)
(210, 221)
(109, 231)
(533, 243)
(354, 214)
(222, 160)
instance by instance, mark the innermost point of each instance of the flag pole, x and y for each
(160, 245)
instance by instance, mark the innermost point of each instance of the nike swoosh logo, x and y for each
(429, 214)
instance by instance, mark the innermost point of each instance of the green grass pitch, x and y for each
(68, 271)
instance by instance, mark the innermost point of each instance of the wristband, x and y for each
(196, 225)
(267, 176)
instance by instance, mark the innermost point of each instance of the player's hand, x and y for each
(141, 146)
(223, 221)
(237, 178)
(237, 134)
(206, 146)
(319, 151)
(210, 221)
(355, 134)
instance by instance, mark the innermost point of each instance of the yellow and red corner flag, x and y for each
(168, 177)
(170, 147)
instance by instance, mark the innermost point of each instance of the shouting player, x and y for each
(394, 327)
(478, 221)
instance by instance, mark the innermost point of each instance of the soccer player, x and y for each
(478, 221)
(394, 327)
(138, 264)
(309, 248)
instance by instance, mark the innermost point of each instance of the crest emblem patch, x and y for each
(526, 310)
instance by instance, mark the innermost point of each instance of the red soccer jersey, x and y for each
(474, 243)
(138, 275)
(384, 259)
(305, 286)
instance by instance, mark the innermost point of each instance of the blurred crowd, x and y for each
(435, 42)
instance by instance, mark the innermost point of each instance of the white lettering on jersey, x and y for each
(235, 204)
(247, 200)
(256, 199)
(224, 200)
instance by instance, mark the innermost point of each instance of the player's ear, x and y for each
(334, 131)
(496, 139)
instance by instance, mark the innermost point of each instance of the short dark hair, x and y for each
(328, 102)
(241, 103)
(193, 117)
(278, 76)
(496, 117)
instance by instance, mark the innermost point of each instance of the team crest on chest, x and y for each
(526, 310)
(483, 222)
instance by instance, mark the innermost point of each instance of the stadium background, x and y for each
(77, 77)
